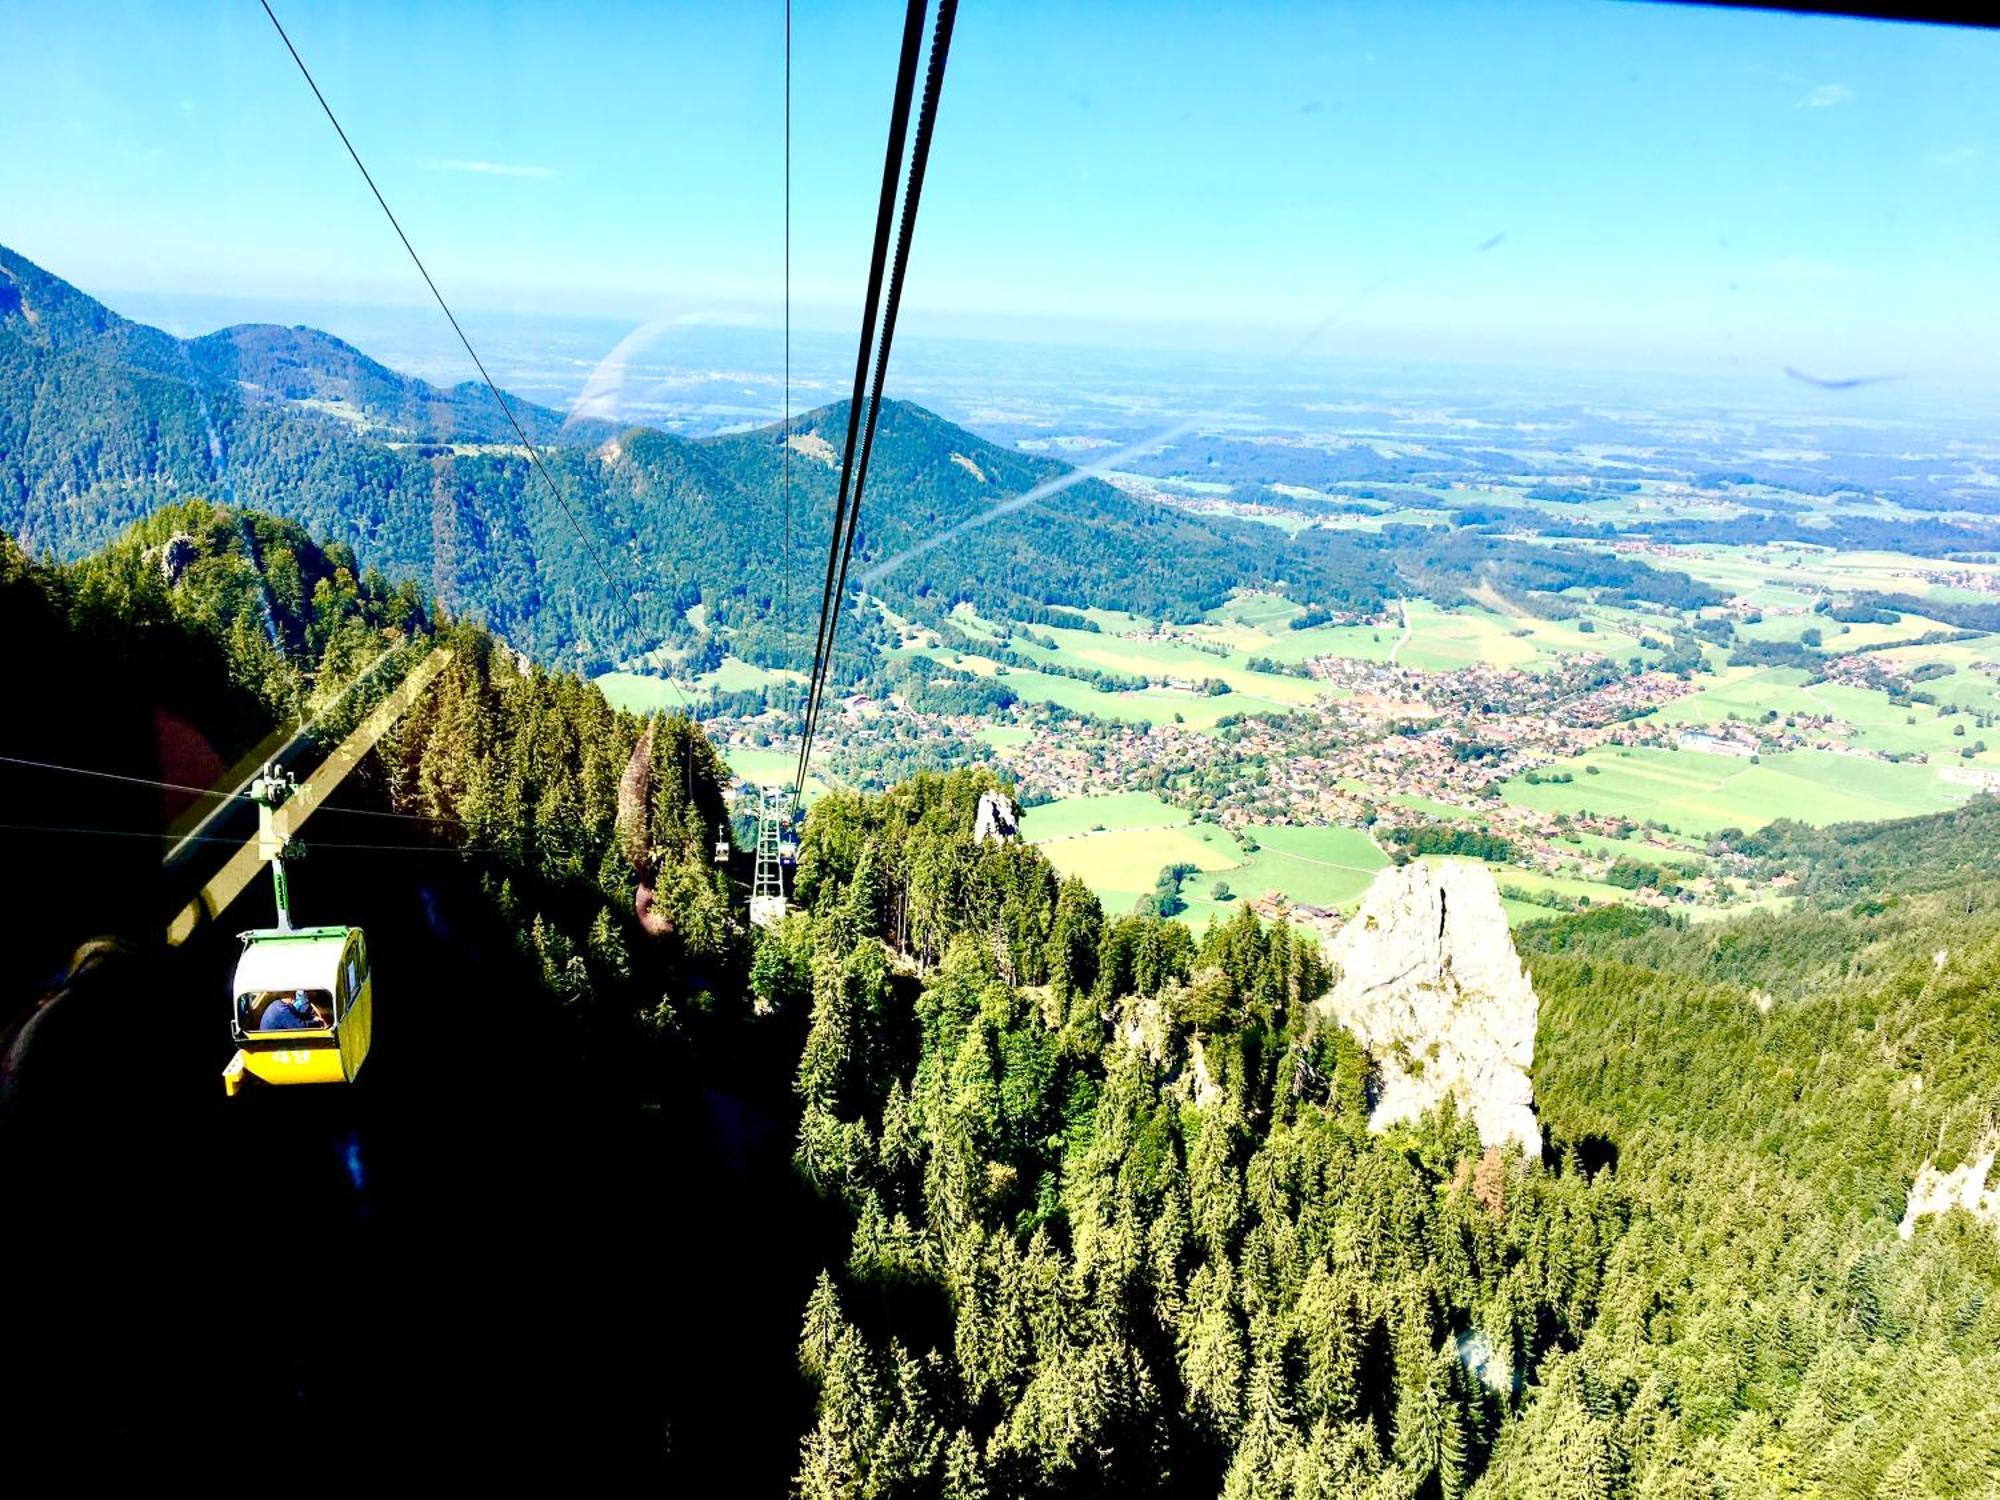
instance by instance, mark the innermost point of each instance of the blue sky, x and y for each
(1668, 186)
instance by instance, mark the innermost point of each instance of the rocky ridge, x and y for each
(1936, 1192)
(1429, 982)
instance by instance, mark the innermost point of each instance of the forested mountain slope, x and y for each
(102, 420)
(529, 1118)
(1131, 1234)
(1077, 1203)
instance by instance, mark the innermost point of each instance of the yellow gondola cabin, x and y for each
(301, 1007)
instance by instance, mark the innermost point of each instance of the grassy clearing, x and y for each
(1328, 867)
(1121, 864)
(1430, 807)
(634, 692)
(1348, 851)
(1876, 724)
(736, 676)
(1596, 844)
(639, 692)
(1794, 576)
(1743, 694)
(1835, 635)
(1968, 689)
(1698, 793)
(1881, 725)
(1161, 660)
(1446, 641)
(1152, 706)
(1077, 815)
(1521, 888)
(1440, 638)
(1124, 644)
(1118, 845)
(1259, 610)
(1970, 653)
(771, 768)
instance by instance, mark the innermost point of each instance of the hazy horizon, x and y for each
(550, 358)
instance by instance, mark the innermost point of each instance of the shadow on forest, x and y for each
(516, 1250)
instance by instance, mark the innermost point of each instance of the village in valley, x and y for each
(1435, 730)
(1622, 638)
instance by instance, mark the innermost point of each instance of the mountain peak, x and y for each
(43, 309)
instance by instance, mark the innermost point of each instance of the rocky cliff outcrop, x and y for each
(1936, 1192)
(1428, 981)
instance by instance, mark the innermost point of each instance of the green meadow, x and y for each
(1116, 811)
(635, 692)
(1313, 866)
(1791, 575)
(1872, 721)
(1149, 705)
(1439, 638)
(1118, 845)
(1699, 793)
(771, 768)
(639, 692)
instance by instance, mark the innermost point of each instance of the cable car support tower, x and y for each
(767, 885)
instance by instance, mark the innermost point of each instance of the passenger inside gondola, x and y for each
(277, 1010)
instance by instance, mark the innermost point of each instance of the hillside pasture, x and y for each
(1116, 811)
(1872, 721)
(1148, 705)
(1118, 844)
(1440, 638)
(770, 768)
(1699, 793)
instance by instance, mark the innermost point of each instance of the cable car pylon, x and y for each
(767, 886)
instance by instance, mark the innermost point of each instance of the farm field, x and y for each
(640, 692)
(1881, 725)
(1328, 867)
(1789, 575)
(1118, 845)
(1517, 886)
(1974, 681)
(1698, 793)
(1120, 865)
(1158, 659)
(1978, 650)
(736, 675)
(1253, 626)
(1119, 810)
(1439, 639)
(1745, 693)
(771, 768)
(1598, 845)
(1126, 644)
(635, 692)
(1748, 694)
(1153, 706)
(1837, 635)
(1429, 806)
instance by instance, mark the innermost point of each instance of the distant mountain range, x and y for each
(103, 419)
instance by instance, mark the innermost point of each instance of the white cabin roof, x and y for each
(305, 959)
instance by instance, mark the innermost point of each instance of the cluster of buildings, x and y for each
(1391, 745)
